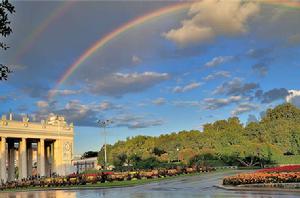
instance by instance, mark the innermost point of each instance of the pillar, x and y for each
(47, 158)
(3, 153)
(52, 158)
(11, 161)
(41, 157)
(29, 159)
(57, 157)
(22, 159)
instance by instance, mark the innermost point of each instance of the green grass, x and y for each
(287, 159)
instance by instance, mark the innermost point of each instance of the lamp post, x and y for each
(177, 149)
(103, 124)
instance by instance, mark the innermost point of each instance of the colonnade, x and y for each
(19, 152)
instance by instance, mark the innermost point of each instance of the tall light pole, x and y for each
(103, 124)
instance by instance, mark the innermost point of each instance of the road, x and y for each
(186, 187)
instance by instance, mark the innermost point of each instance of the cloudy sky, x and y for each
(207, 61)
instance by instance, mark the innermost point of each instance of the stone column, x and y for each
(22, 159)
(54, 161)
(47, 159)
(3, 154)
(57, 157)
(29, 159)
(52, 158)
(41, 157)
(11, 161)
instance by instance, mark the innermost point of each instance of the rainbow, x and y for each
(283, 3)
(102, 42)
(31, 38)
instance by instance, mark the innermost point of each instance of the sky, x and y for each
(162, 67)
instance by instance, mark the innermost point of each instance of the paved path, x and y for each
(186, 187)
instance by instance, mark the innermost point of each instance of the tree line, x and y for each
(273, 139)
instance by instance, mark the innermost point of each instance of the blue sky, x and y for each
(211, 61)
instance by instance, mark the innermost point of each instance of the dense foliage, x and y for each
(224, 142)
(89, 154)
(5, 30)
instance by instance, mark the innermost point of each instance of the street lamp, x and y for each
(177, 149)
(103, 124)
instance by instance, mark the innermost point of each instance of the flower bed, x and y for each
(289, 168)
(262, 177)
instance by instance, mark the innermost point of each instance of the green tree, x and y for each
(5, 30)
(120, 159)
(109, 149)
(258, 143)
(89, 154)
(157, 151)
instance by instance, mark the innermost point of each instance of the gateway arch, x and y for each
(41, 149)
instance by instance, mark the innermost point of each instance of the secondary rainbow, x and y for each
(117, 32)
(139, 21)
(31, 38)
(283, 3)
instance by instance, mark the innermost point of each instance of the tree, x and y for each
(157, 151)
(149, 163)
(120, 160)
(247, 154)
(285, 111)
(101, 159)
(4, 71)
(89, 154)
(135, 159)
(5, 30)
(256, 131)
(186, 154)
(206, 157)
(222, 142)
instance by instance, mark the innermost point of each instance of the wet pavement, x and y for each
(186, 187)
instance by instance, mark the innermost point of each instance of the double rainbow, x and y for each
(32, 38)
(102, 42)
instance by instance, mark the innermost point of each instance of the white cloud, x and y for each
(42, 104)
(136, 122)
(218, 60)
(119, 84)
(219, 74)
(105, 106)
(189, 87)
(186, 103)
(189, 33)
(292, 94)
(76, 105)
(216, 103)
(159, 101)
(82, 114)
(293, 97)
(236, 87)
(64, 92)
(243, 108)
(211, 18)
(136, 60)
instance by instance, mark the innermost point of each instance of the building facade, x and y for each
(81, 165)
(49, 143)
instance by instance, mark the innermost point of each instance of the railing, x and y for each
(226, 167)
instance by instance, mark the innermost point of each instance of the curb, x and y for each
(249, 188)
